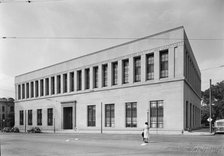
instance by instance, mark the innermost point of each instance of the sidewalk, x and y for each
(202, 131)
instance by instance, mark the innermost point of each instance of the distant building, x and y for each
(6, 112)
(154, 79)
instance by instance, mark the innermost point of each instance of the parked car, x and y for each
(34, 130)
(6, 129)
(15, 130)
(219, 126)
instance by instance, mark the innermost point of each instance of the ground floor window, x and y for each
(29, 117)
(109, 115)
(131, 114)
(21, 117)
(91, 109)
(50, 116)
(39, 117)
(156, 114)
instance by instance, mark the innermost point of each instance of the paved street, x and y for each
(108, 144)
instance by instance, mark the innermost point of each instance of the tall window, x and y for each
(50, 116)
(104, 74)
(79, 80)
(164, 64)
(71, 81)
(125, 64)
(52, 85)
(39, 116)
(32, 89)
(21, 117)
(87, 78)
(137, 69)
(156, 114)
(58, 84)
(30, 117)
(95, 77)
(150, 66)
(114, 73)
(41, 87)
(109, 115)
(23, 91)
(187, 126)
(91, 109)
(27, 90)
(65, 87)
(47, 86)
(19, 92)
(37, 88)
(131, 114)
(3, 108)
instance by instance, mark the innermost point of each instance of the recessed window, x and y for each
(156, 114)
(27, 90)
(32, 89)
(95, 77)
(52, 85)
(109, 115)
(87, 78)
(114, 73)
(91, 109)
(47, 86)
(137, 69)
(79, 80)
(50, 116)
(30, 117)
(23, 91)
(150, 66)
(19, 92)
(21, 115)
(71, 81)
(36, 88)
(125, 64)
(58, 84)
(65, 81)
(131, 114)
(39, 117)
(104, 75)
(164, 64)
(41, 87)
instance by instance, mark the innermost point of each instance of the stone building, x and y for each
(6, 112)
(154, 78)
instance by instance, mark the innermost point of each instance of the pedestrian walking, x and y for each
(146, 133)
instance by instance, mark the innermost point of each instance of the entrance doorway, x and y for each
(67, 111)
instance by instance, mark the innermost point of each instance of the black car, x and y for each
(34, 130)
(6, 129)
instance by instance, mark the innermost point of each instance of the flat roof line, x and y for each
(142, 38)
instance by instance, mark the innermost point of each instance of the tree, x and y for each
(217, 103)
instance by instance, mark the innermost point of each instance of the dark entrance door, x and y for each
(67, 117)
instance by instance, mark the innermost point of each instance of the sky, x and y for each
(42, 29)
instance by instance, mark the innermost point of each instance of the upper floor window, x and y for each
(125, 64)
(27, 90)
(65, 80)
(79, 80)
(87, 78)
(71, 81)
(164, 64)
(19, 92)
(32, 89)
(52, 85)
(23, 91)
(36, 88)
(95, 77)
(114, 73)
(104, 74)
(137, 69)
(47, 86)
(58, 84)
(150, 66)
(41, 87)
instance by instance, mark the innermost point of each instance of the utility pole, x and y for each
(210, 107)
(101, 115)
(25, 121)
